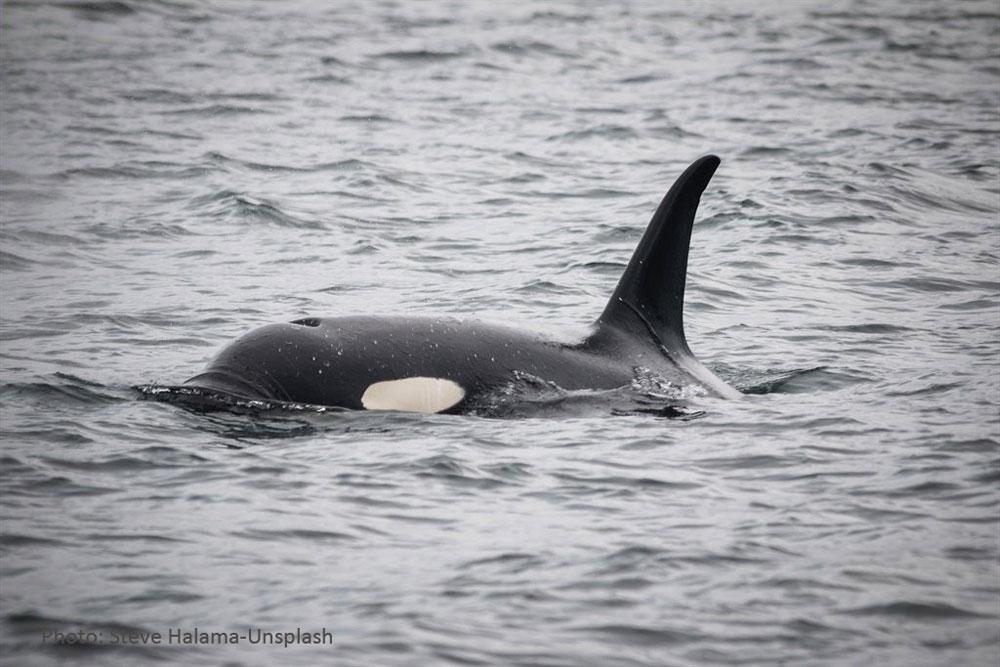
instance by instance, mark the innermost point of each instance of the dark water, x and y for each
(176, 174)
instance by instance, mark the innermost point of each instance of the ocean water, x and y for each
(175, 174)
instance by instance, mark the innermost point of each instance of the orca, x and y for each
(441, 364)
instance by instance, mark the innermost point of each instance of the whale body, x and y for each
(431, 364)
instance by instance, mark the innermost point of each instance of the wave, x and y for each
(420, 55)
(134, 170)
(615, 132)
(530, 46)
(72, 390)
(791, 381)
(217, 111)
(113, 7)
(11, 262)
(916, 610)
(238, 206)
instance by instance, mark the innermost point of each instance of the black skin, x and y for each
(331, 361)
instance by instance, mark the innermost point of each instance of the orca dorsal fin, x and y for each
(649, 299)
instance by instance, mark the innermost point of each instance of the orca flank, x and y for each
(425, 364)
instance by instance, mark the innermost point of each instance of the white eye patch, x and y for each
(415, 394)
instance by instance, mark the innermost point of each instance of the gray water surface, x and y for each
(176, 174)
